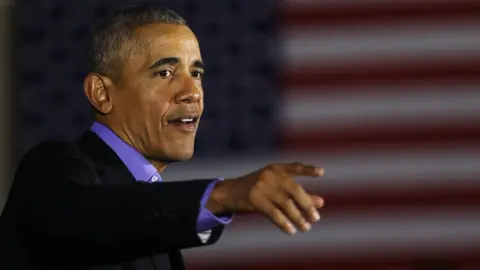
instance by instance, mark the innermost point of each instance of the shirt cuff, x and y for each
(206, 219)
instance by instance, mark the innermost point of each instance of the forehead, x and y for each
(167, 40)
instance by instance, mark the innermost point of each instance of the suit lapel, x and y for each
(108, 164)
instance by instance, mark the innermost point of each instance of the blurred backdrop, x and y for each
(385, 94)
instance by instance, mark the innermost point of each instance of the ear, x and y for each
(97, 88)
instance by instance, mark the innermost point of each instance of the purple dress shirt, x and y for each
(144, 171)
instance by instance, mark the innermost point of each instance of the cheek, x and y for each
(201, 105)
(157, 107)
(128, 104)
(202, 99)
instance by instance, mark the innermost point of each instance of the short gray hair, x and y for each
(111, 34)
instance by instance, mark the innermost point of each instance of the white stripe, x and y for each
(383, 106)
(343, 235)
(410, 169)
(355, 44)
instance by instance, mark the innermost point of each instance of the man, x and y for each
(100, 202)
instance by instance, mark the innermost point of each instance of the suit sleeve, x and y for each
(67, 222)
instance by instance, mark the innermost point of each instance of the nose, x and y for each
(191, 92)
(189, 98)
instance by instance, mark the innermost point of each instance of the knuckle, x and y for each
(266, 172)
(269, 174)
(254, 195)
(285, 203)
(261, 185)
(272, 168)
(295, 188)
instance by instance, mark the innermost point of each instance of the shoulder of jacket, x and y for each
(51, 148)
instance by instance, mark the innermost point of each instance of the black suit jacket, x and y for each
(75, 205)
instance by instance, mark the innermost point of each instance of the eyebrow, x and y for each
(174, 60)
(199, 64)
(163, 61)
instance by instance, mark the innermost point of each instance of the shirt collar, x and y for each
(136, 163)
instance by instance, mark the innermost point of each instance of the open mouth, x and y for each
(184, 120)
(184, 123)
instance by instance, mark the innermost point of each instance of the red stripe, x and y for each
(311, 260)
(314, 265)
(385, 201)
(396, 137)
(431, 86)
(396, 71)
(388, 200)
(291, 16)
(341, 265)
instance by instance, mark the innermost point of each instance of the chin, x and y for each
(173, 152)
(178, 155)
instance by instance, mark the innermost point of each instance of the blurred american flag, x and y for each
(386, 96)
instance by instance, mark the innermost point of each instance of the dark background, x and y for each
(236, 42)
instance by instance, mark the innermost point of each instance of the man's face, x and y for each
(158, 101)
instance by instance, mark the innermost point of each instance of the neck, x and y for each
(158, 164)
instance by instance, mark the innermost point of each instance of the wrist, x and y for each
(217, 202)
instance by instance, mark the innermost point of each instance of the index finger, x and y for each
(299, 169)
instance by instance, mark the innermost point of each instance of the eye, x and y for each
(163, 73)
(197, 74)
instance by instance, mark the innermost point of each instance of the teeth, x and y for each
(187, 120)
